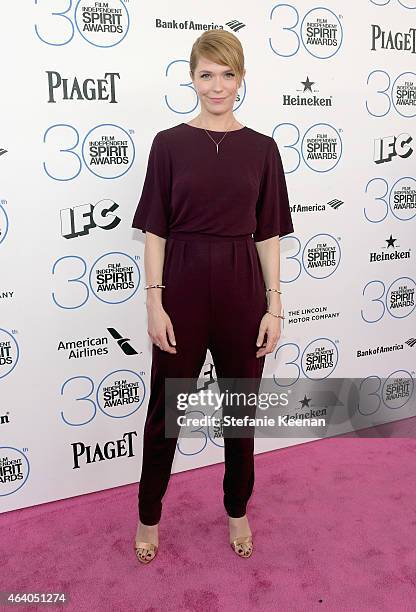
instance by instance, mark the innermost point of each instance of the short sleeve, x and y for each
(272, 208)
(152, 213)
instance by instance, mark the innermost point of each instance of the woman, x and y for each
(210, 184)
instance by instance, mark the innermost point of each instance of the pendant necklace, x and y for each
(217, 143)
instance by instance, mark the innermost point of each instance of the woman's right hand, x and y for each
(160, 328)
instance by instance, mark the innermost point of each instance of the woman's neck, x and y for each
(216, 123)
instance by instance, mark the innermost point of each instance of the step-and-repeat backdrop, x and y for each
(85, 87)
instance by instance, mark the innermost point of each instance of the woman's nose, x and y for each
(217, 84)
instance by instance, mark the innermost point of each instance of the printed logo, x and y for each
(103, 24)
(391, 146)
(321, 32)
(186, 25)
(89, 89)
(379, 350)
(303, 99)
(79, 220)
(403, 198)
(235, 25)
(108, 151)
(123, 343)
(9, 353)
(309, 314)
(397, 391)
(404, 94)
(321, 147)
(114, 277)
(113, 449)
(85, 347)
(401, 297)
(121, 393)
(396, 41)
(319, 358)
(14, 470)
(335, 203)
(308, 208)
(321, 256)
(389, 252)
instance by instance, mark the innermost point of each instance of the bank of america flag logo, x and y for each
(335, 203)
(3, 151)
(411, 342)
(235, 25)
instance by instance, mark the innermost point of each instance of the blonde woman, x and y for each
(213, 206)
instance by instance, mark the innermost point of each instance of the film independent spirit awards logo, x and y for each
(9, 353)
(103, 24)
(319, 31)
(14, 470)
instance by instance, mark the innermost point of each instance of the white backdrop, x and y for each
(85, 87)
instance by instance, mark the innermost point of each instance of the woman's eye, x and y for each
(228, 74)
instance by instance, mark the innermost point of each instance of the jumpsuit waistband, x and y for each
(201, 237)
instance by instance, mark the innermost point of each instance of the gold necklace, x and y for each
(217, 143)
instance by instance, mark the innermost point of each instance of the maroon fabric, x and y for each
(188, 187)
(215, 298)
(207, 206)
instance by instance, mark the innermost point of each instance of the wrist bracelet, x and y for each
(276, 290)
(275, 315)
(155, 286)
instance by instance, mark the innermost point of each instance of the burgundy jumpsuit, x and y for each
(211, 209)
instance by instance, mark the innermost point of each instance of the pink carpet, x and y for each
(334, 526)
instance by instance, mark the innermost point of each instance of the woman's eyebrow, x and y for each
(227, 70)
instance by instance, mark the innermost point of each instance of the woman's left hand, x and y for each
(269, 325)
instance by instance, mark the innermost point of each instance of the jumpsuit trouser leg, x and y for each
(215, 298)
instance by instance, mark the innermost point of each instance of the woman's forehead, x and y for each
(206, 64)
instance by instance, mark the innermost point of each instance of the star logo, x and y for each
(390, 241)
(307, 85)
(305, 401)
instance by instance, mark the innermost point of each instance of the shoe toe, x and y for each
(243, 547)
(145, 551)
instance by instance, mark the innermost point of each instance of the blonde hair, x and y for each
(221, 47)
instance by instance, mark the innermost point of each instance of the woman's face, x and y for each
(216, 86)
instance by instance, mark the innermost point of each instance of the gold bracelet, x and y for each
(276, 290)
(153, 286)
(275, 315)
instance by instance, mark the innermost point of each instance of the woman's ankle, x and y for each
(148, 524)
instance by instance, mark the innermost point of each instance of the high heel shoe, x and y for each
(243, 546)
(144, 549)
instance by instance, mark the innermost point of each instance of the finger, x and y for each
(158, 341)
(171, 334)
(271, 344)
(260, 337)
(262, 351)
(165, 344)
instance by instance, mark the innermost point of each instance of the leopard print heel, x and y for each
(145, 551)
(243, 546)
